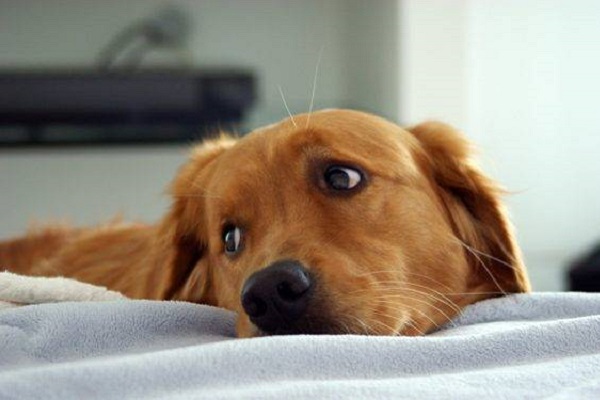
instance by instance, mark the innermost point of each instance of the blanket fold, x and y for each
(18, 290)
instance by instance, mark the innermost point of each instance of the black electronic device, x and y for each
(584, 273)
(91, 106)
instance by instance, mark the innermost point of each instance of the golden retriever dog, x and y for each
(333, 222)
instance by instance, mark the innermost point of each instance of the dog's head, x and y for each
(339, 222)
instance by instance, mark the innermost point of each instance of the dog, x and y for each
(333, 222)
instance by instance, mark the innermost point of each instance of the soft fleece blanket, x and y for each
(519, 347)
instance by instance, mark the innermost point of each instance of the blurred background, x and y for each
(99, 100)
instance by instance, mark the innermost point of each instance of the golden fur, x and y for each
(426, 236)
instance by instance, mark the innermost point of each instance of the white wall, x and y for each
(85, 186)
(520, 77)
(534, 102)
(433, 61)
(374, 56)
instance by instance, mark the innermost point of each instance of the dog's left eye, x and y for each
(232, 239)
(342, 178)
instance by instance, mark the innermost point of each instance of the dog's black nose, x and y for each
(277, 296)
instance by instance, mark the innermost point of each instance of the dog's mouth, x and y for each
(315, 321)
(305, 326)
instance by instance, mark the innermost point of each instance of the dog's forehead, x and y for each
(352, 137)
(337, 133)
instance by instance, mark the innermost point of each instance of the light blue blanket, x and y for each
(524, 346)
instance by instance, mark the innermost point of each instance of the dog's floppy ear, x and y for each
(474, 207)
(182, 232)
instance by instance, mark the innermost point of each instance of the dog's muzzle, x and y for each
(276, 297)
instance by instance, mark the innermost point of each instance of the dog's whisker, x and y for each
(439, 297)
(382, 324)
(433, 293)
(392, 331)
(345, 327)
(314, 87)
(395, 289)
(396, 286)
(403, 305)
(394, 295)
(406, 321)
(286, 106)
(391, 271)
(392, 287)
(481, 253)
(371, 273)
(486, 268)
(431, 279)
(427, 303)
(364, 326)
(414, 326)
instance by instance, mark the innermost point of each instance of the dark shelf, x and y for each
(154, 106)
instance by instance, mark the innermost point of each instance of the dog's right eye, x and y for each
(232, 239)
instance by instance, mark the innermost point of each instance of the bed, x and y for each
(540, 345)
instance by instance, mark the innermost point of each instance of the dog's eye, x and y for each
(232, 239)
(342, 178)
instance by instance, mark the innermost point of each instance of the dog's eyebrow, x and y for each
(381, 161)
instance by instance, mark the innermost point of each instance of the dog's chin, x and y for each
(299, 329)
(316, 326)
(305, 326)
